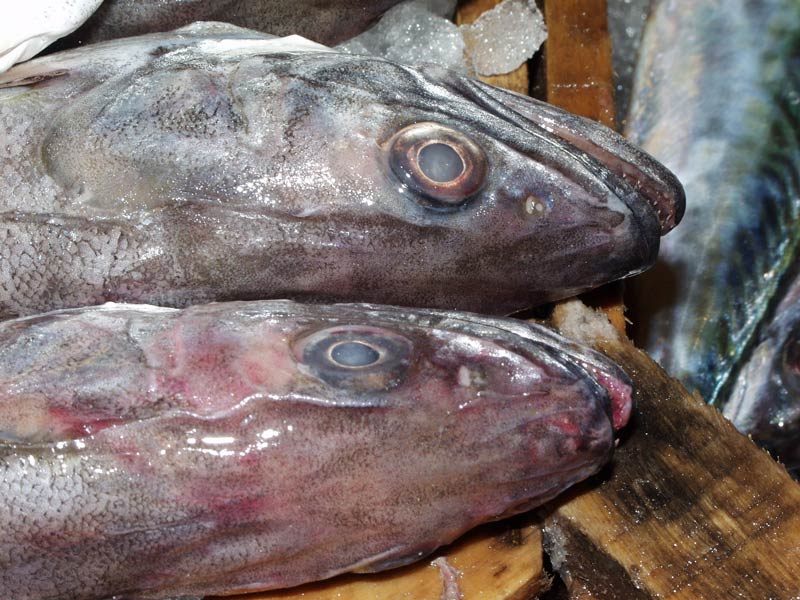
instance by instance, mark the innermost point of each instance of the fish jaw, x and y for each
(289, 473)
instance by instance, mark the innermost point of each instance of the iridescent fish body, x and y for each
(216, 163)
(765, 401)
(152, 452)
(717, 100)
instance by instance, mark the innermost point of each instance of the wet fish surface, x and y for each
(717, 99)
(215, 163)
(626, 22)
(150, 452)
(765, 401)
(324, 21)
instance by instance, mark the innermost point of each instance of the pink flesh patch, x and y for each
(620, 394)
(77, 426)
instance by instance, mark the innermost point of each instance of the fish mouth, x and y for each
(615, 161)
(649, 178)
(604, 375)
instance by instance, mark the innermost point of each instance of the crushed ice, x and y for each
(416, 31)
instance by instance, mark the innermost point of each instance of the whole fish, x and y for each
(151, 452)
(216, 163)
(765, 401)
(717, 99)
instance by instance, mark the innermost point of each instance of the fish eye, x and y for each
(441, 165)
(355, 357)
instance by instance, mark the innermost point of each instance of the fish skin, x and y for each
(324, 21)
(151, 452)
(765, 400)
(265, 172)
(717, 100)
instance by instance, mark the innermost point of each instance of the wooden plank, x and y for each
(578, 58)
(499, 561)
(692, 510)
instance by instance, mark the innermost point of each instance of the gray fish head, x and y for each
(539, 204)
(403, 185)
(535, 200)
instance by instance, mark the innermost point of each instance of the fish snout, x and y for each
(648, 178)
(613, 158)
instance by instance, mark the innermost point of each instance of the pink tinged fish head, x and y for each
(530, 413)
(298, 441)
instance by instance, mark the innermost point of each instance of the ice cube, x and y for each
(414, 32)
(501, 39)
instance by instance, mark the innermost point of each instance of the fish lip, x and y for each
(623, 167)
(643, 173)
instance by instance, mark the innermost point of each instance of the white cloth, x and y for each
(29, 26)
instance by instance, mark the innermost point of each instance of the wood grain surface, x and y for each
(689, 509)
(577, 53)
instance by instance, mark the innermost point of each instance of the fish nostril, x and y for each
(534, 207)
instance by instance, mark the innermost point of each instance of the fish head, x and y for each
(339, 437)
(398, 185)
(516, 409)
(539, 204)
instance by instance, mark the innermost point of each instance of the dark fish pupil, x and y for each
(440, 162)
(354, 354)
